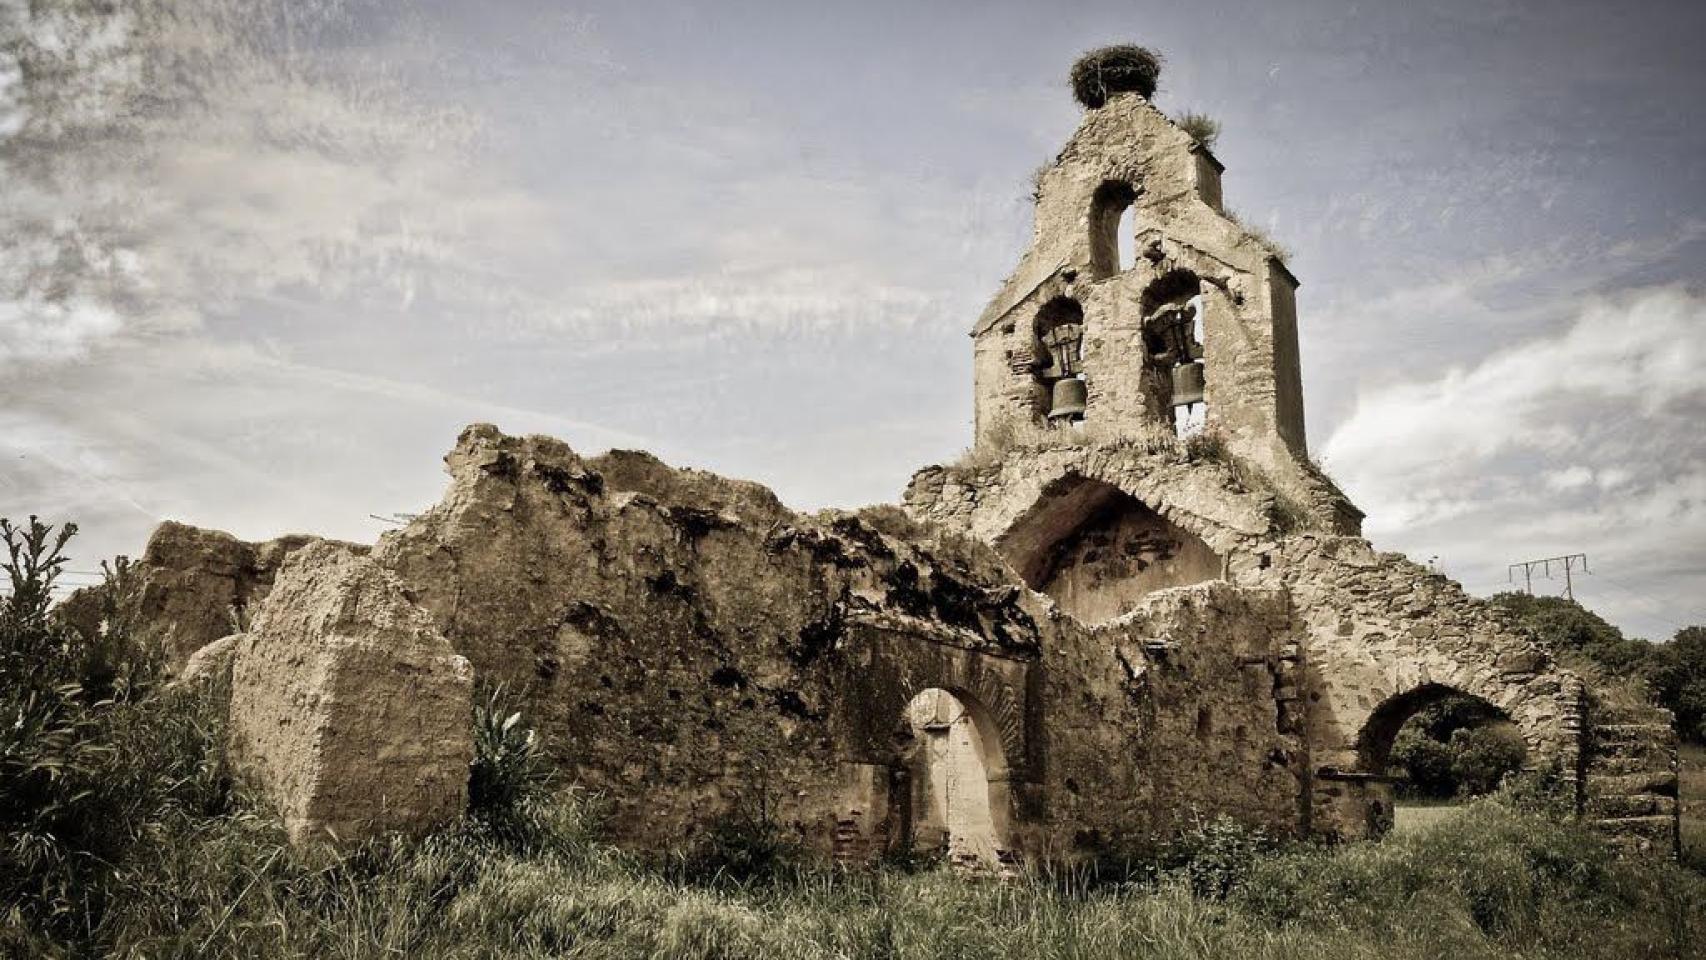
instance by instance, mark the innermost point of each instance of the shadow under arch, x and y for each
(887, 667)
(1098, 550)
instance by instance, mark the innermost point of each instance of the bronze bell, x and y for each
(1068, 399)
(1187, 383)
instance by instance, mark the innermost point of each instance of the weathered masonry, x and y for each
(1134, 604)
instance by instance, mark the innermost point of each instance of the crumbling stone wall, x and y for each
(1383, 636)
(1177, 712)
(348, 708)
(694, 651)
(195, 586)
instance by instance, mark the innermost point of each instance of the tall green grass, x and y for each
(1490, 882)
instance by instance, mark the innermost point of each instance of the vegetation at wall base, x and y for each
(1492, 883)
(121, 834)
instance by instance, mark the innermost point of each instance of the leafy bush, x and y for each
(743, 849)
(1481, 757)
(510, 777)
(1123, 68)
(1459, 746)
(91, 749)
(1542, 792)
(1426, 764)
(1525, 884)
(1676, 672)
(1216, 856)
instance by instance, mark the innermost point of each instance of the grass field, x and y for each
(1692, 790)
(1493, 884)
(1411, 817)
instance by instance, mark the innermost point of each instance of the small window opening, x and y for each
(1113, 229)
(1060, 332)
(1126, 239)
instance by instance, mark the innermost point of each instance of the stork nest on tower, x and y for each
(1122, 68)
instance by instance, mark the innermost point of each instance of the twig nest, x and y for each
(1123, 68)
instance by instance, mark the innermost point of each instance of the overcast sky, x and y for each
(261, 259)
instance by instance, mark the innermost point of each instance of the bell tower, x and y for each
(1140, 307)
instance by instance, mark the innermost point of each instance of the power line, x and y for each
(1568, 561)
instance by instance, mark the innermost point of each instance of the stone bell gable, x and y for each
(1141, 306)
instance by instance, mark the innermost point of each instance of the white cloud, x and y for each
(243, 440)
(165, 161)
(1584, 440)
(1636, 354)
(1572, 478)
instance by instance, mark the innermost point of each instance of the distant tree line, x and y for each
(1673, 674)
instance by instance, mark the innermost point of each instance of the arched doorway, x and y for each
(958, 803)
(1432, 747)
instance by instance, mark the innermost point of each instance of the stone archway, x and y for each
(959, 804)
(1379, 733)
(887, 671)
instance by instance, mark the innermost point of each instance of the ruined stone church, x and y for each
(1135, 604)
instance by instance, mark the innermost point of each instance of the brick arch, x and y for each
(995, 711)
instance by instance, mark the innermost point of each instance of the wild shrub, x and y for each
(1528, 884)
(1201, 127)
(510, 778)
(91, 750)
(1460, 746)
(1425, 762)
(1623, 669)
(742, 849)
(1216, 856)
(1482, 756)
